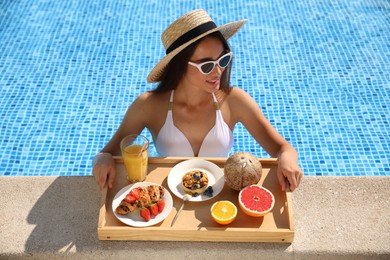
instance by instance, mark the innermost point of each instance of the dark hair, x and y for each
(177, 67)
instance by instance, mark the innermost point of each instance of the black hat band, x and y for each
(191, 34)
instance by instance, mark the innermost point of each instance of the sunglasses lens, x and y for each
(207, 67)
(224, 61)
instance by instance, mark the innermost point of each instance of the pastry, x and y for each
(195, 182)
(144, 197)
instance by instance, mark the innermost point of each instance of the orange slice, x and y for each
(224, 212)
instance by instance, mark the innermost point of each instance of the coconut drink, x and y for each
(242, 169)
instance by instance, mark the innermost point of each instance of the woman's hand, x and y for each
(104, 170)
(289, 172)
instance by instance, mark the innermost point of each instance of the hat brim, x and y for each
(227, 30)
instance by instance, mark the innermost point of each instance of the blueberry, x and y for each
(195, 186)
(209, 189)
(208, 192)
(202, 184)
(195, 194)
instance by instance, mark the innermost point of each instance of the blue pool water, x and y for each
(320, 70)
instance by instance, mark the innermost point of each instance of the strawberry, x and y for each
(161, 205)
(129, 198)
(154, 209)
(135, 193)
(145, 214)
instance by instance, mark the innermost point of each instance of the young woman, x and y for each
(193, 110)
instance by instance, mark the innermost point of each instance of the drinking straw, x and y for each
(143, 148)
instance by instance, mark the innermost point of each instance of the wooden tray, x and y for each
(195, 222)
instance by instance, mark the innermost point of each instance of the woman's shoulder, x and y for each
(150, 104)
(237, 91)
(151, 97)
(237, 95)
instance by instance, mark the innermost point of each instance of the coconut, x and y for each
(241, 170)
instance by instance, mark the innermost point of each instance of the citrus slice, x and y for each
(224, 212)
(256, 201)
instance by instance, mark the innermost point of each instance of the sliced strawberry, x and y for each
(145, 214)
(129, 198)
(135, 193)
(160, 205)
(154, 209)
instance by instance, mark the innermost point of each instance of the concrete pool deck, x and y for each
(56, 218)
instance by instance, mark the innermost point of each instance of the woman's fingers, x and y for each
(299, 177)
(295, 179)
(281, 178)
(111, 177)
(290, 178)
(104, 170)
(100, 176)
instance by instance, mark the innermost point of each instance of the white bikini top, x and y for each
(170, 141)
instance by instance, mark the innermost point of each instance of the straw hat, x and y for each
(184, 31)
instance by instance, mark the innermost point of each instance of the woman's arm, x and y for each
(133, 122)
(245, 110)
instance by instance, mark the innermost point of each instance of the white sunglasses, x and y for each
(208, 66)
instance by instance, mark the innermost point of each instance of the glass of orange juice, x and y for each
(135, 156)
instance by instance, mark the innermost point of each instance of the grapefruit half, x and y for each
(256, 201)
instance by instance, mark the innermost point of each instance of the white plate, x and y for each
(134, 219)
(214, 173)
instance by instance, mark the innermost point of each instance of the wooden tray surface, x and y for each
(195, 222)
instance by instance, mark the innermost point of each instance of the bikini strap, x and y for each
(170, 105)
(215, 102)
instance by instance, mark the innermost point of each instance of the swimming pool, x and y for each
(319, 70)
